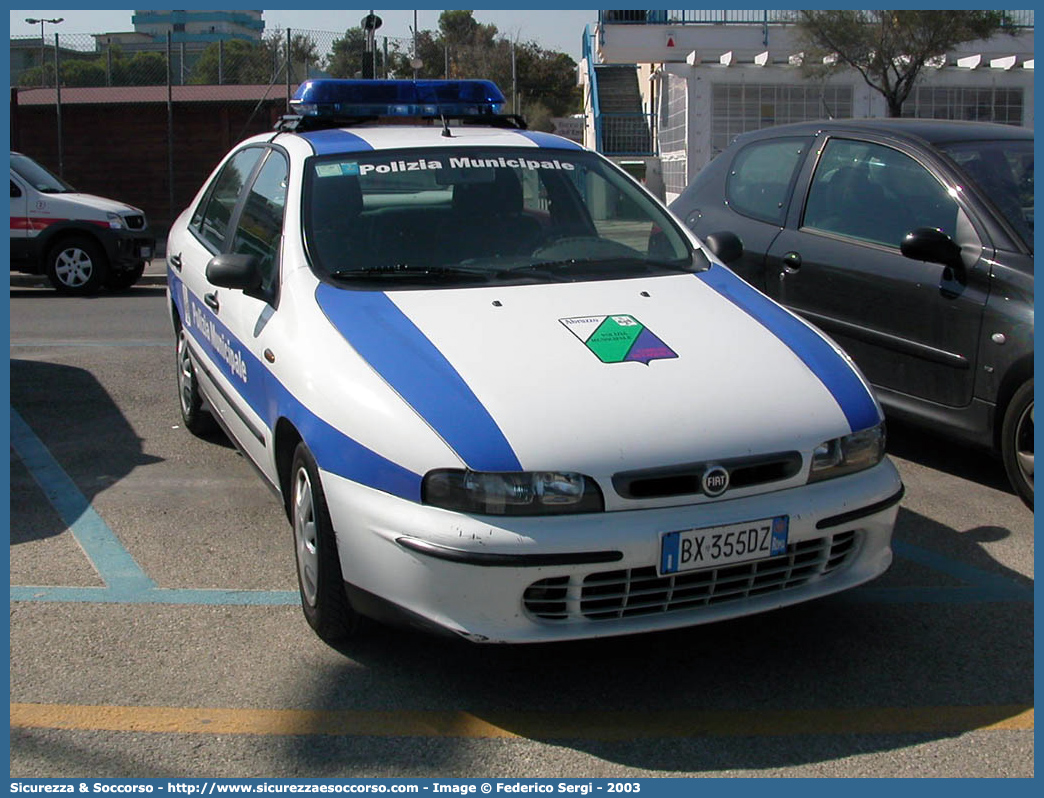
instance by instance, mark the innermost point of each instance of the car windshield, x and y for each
(480, 216)
(38, 177)
(1003, 171)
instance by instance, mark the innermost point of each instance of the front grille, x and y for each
(640, 591)
(136, 222)
(683, 480)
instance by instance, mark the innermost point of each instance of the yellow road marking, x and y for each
(536, 725)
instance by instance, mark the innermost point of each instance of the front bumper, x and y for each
(127, 249)
(530, 579)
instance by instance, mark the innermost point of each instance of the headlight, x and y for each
(116, 222)
(846, 455)
(511, 493)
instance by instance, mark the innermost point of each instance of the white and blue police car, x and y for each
(502, 391)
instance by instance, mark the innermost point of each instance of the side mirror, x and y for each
(234, 270)
(932, 245)
(726, 246)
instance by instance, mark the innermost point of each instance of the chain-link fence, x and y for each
(124, 116)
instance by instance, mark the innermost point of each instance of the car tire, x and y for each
(1017, 442)
(121, 281)
(319, 578)
(77, 266)
(196, 418)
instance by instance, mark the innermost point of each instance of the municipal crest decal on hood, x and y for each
(618, 339)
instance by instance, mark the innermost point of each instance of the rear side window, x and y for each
(215, 212)
(759, 183)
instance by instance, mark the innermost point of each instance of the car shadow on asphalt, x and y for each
(940, 453)
(72, 417)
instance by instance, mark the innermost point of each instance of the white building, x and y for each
(666, 91)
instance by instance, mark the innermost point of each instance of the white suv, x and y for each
(80, 241)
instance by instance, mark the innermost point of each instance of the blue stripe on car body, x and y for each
(832, 369)
(414, 367)
(334, 451)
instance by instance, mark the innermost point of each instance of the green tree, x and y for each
(304, 54)
(464, 48)
(889, 48)
(235, 61)
(142, 69)
(346, 57)
(460, 28)
(83, 73)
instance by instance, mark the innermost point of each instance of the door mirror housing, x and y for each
(725, 245)
(235, 270)
(933, 246)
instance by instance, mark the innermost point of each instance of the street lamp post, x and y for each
(43, 45)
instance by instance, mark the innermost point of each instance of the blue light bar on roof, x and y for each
(425, 98)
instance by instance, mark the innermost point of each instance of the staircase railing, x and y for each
(592, 85)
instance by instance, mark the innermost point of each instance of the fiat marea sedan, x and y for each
(501, 391)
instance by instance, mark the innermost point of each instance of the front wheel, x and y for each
(319, 578)
(77, 265)
(197, 420)
(1017, 442)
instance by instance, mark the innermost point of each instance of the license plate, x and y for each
(693, 549)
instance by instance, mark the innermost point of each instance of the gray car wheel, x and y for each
(1017, 442)
(196, 418)
(77, 266)
(320, 581)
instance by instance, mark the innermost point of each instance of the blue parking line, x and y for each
(112, 561)
(156, 595)
(127, 583)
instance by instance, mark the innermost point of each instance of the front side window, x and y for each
(213, 216)
(484, 216)
(875, 193)
(260, 227)
(1003, 171)
(759, 183)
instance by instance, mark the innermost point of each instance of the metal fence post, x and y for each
(288, 70)
(58, 106)
(170, 137)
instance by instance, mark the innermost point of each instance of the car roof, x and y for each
(358, 140)
(935, 131)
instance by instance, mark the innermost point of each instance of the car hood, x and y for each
(88, 205)
(605, 376)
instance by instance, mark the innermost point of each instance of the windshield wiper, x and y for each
(406, 270)
(561, 268)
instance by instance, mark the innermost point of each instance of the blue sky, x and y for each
(551, 29)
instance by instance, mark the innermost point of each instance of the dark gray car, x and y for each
(910, 242)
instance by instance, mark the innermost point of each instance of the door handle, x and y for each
(212, 301)
(175, 261)
(791, 263)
